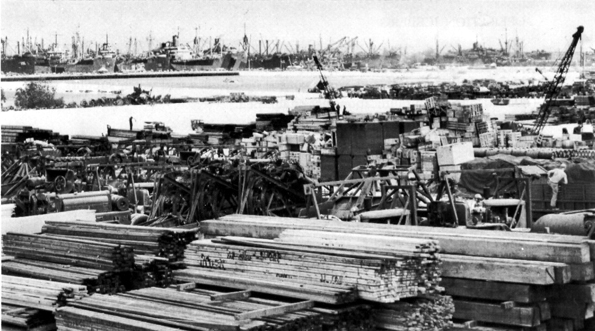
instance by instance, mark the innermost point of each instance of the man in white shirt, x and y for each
(555, 177)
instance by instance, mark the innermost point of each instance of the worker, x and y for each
(130, 120)
(555, 178)
(478, 210)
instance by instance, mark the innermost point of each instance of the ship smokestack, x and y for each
(175, 41)
(18, 48)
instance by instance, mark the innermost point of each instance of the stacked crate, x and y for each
(502, 140)
(466, 122)
(429, 162)
(450, 157)
(512, 139)
(487, 139)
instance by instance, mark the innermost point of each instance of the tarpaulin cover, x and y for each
(583, 172)
(578, 171)
(475, 182)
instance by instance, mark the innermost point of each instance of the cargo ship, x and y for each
(104, 61)
(19, 64)
(54, 61)
(184, 59)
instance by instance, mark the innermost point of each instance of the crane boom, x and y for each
(327, 90)
(554, 87)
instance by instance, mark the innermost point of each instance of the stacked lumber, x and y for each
(39, 294)
(381, 269)
(514, 280)
(96, 280)
(415, 261)
(103, 267)
(162, 242)
(63, 250)
(191, 308)
(433, 312)
(22, 318)
(150, 271)
(324, 293)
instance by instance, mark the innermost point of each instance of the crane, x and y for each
(554, 87)
(327, 90)
(540, 72)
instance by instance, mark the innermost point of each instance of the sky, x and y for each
(411, 24)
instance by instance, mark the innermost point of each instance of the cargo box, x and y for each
(455, 154)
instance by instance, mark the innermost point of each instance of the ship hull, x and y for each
(196, 65)
(131, 66)
(49, 69)
(92, 65)
(273, 62)
(158, 64)
(19, 65)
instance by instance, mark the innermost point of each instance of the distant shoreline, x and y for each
(26, 78)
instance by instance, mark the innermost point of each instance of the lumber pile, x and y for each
(205, 308)
(22, 318)
(433, 312)
(380, 271)
(103, 267)
(96, 280)
(63, 250)
(27, 304)
(513, 280)
(39, 294)
(150, 271)
(161, 242)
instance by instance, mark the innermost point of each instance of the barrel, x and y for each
(100, 203)
(83, 195)
(119, 202)
(574, 224)
(533, 153)
(545, 154)
(491, 152)
(480, 152)
(519, 152)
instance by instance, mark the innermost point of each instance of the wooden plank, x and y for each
(572, 309)
(232, 296)
(560, 324)
(582, 272)
(545, 310)
(114, 320)
(42, 283)
(577, 292)
(275, 310)
(493, 313)
(481, 289)
(503, 270)
(452, 244)
(270, 228)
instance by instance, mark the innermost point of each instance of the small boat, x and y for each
(500, 101)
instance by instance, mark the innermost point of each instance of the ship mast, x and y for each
(150, 39)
